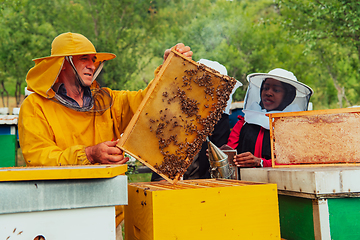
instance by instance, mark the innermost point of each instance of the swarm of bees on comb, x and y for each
(188, 99)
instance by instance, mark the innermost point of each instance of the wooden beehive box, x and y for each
(202, 209)
(184, 102)
(315, 137)
(14, 174)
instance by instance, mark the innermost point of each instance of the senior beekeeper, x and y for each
(70, 119)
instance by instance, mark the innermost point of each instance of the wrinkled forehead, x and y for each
(85, 56)
(78, 59)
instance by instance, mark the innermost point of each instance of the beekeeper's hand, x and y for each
(247, 159)
(106, 153)
(181, 48)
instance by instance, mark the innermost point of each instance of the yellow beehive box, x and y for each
(183, 103)
(310, 138)
(61, 172)
(202, 209)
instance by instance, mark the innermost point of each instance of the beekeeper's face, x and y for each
(272, 94)
(85, 67)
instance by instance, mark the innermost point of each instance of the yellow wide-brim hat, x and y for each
(44, 74)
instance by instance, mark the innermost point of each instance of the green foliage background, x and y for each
(317, 40)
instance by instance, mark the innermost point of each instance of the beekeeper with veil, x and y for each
(69, 119)
(276, 91)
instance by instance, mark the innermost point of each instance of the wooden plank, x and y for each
(314, 112)
(272, 140)
(321, 219)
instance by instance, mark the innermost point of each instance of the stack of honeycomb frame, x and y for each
(184, 102)
(315, 137)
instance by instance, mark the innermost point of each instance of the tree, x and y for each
(122, 27)
(28, 27)
(242, 35)
(246, 36)
(331, 32)
(19, 40)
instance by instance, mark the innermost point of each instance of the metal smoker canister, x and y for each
(220, 167)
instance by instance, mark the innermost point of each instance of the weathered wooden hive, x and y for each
(184, 102)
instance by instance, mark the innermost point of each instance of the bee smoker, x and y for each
(219, 163)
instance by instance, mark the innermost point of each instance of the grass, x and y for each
(139, 177)
(134, 176)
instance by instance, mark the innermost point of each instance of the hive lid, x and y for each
(180, 109)
(63, 172)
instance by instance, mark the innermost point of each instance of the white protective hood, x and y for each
(255, 114)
